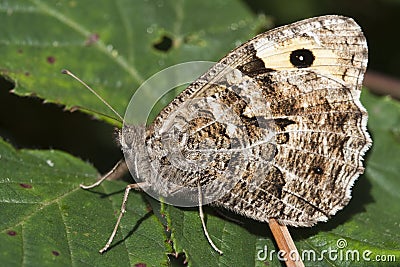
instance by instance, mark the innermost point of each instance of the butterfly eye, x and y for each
(127, 138)
(302, 58)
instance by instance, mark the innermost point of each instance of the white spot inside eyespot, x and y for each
(50, 163)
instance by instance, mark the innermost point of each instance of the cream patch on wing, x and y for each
(277, 56)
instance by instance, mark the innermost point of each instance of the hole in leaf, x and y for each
(164, 44)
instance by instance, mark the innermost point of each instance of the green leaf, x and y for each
(46, 219)
(369, 223)
(110, 44)
(239, 242)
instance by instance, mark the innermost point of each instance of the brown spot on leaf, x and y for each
(28, 186)
(11, 233)
(55, 253)
(149, 208)
(92, 39)
(51, 59)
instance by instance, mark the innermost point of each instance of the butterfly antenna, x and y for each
(64, 71)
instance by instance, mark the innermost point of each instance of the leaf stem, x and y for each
(285, 244)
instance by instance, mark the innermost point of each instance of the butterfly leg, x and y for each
(122, 212)
(117, 171)
(201, 214)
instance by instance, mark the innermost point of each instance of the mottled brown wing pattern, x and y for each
(278, 121)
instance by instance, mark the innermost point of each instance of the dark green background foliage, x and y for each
(46, 152)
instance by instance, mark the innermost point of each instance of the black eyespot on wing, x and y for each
(318, 170)
(302, 58)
